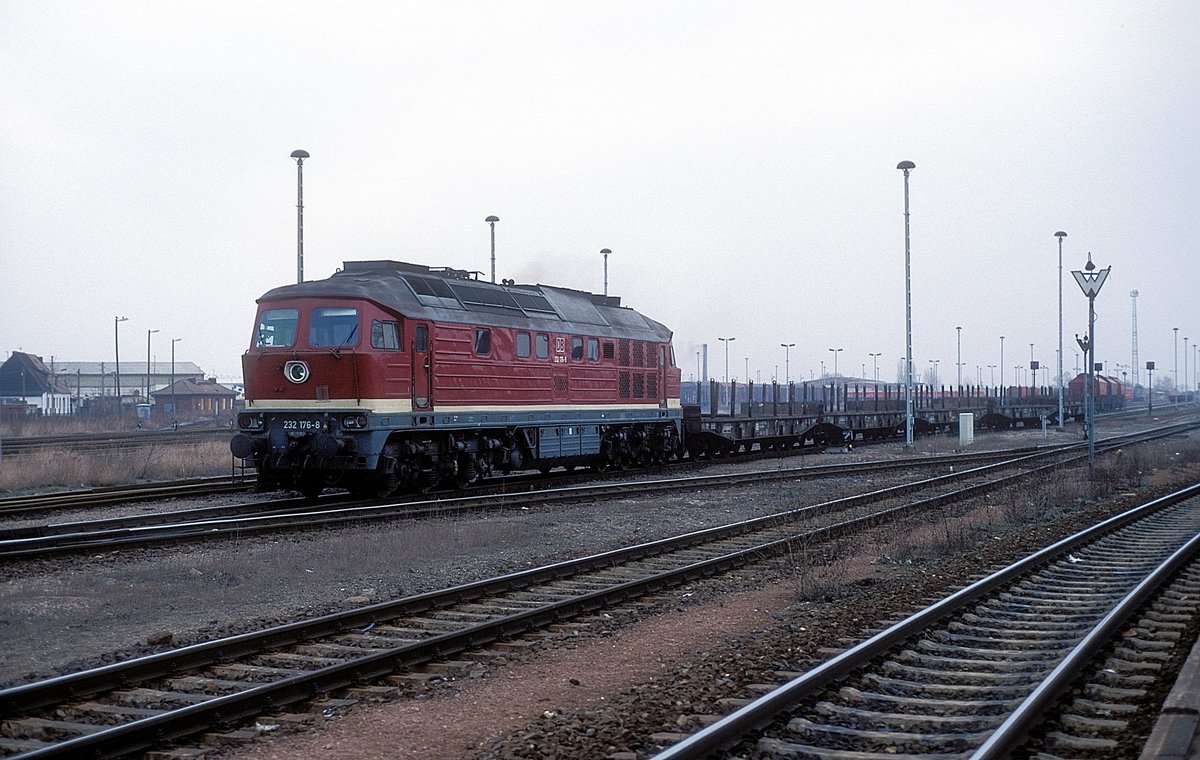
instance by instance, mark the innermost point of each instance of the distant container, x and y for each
(966, 429)
(143, 411)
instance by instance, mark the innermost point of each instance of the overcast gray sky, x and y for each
(737, 157)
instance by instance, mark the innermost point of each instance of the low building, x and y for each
(93, 379)
(28, 386)
(195, 398)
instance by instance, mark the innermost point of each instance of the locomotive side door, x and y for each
(422, 367)
(559, 373)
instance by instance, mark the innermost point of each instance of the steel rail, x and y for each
(16, 445)
(87, 497)
(24, 545)
(77, 499)
(540, 574)
(63, 500)
(234, 511)
(141, 734)
(143, 531)
(101, 677)
(1014, 730)
(728, 731)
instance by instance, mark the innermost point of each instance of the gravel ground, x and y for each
(624, 689)
(56, 617)
(63, 615)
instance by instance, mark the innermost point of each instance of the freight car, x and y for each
(1110, 392)
(392, 376)
(720, 420)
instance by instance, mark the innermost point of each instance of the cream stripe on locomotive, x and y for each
(442, 409)
(380, 405)
(400, 406)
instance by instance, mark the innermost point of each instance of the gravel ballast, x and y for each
(64, 615)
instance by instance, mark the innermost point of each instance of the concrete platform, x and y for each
(1176, 735)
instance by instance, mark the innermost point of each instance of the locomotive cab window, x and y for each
(276, 328)
(577, 349)
(421, 338)
(385, 335)
(524, 345)
(543, 346)
(593, 349)
(483, 341)
(333, 326)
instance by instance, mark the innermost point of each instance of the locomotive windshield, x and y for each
(276, 328)
(333, 327)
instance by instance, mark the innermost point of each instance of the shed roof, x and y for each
(129, 366)
(191, 387)
(25, 375)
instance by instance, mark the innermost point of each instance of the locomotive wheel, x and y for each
(381, 491)
(468, 473)
(310, 487)
(427, 481)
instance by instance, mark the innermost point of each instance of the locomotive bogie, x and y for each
(307, 454)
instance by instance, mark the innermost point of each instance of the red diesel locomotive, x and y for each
(390, 376)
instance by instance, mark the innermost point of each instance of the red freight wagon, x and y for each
(1110, 392)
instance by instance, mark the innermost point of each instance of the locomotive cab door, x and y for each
(422, 367)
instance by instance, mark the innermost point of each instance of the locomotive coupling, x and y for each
(242, 446)
(324, 445)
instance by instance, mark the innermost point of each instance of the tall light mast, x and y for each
(1133, 296)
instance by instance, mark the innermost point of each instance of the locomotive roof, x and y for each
(455, 295)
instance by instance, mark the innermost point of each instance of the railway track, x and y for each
(91, 497)
(973, 674)
(62, 501)
(45, 540)
(131, 706)
(106, 442)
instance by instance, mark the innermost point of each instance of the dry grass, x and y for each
(62, 468)
(820, 570)
(818, 573)
(951, 530)
(36, 425)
